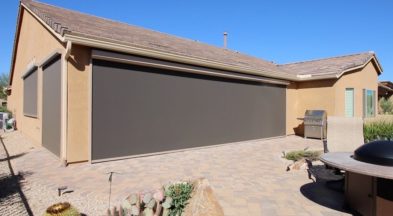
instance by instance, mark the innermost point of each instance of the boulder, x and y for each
(203, 201)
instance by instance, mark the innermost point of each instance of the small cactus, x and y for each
(148, 212)
(147, 197)
(61, 209)
(126, 207)
(167, 203)
(151, 204)
(158, 210)
(133, 199)
(135, 210)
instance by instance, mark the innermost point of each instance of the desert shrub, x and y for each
(386, 106)
(300, 154)
(378, 130)
(180, 194)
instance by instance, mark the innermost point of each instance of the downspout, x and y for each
(64, 102)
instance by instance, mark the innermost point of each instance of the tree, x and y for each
(3, 84)
(386, 106)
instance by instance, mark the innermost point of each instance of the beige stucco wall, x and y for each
(35, 44)
(367, 78)
(292, 104)
(328, 95)
(79, 68)
(308, 95)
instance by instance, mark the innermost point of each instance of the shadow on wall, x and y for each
(317, 84)
(80, 57)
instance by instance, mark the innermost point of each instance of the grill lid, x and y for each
(315, 113)
(376, 152)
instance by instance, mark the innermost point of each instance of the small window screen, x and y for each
(30, 93)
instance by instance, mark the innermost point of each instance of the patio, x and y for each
(248, 178)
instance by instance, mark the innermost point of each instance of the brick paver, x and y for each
(249, 178)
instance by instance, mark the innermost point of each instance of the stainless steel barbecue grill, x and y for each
(315, 124)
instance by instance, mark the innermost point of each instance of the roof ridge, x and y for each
(332, 57)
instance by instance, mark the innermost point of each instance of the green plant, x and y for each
(3, 84)
(4, 109)
(61, 209)
(300, 154)
(386, 106)
(378, 130)
(179, 194)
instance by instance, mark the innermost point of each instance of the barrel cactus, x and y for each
(61, 209)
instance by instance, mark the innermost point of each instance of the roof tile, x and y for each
(64, 21)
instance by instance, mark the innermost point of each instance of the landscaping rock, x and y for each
(203, 201)
(299, 165)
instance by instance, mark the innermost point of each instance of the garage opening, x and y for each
(140, 110)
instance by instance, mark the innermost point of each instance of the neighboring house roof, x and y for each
(334, 66)
(88, 30)
(387, 84)
(385, 88)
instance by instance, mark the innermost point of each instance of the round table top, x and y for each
(345, 161)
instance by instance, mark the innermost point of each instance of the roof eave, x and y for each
(310, 77)
(373, 58)
(129, 49)
(16, 38)
(22, 7)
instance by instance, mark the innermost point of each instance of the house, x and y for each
(385, 89)
(92, 89)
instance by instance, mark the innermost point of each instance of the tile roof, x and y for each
(64, 21)
(333, 65)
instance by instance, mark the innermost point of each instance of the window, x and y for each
(30, 92)
(349, 102)
(368, 103)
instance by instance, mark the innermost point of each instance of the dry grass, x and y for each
(300, 154)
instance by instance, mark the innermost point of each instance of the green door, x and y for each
(349, 101)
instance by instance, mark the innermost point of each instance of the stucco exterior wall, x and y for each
(308, 95)
(316, 95)
(328, 95)
(366, 78)
(35, 44)
(79, 67)
(292, 104)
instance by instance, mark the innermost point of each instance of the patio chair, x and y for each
(344, 134)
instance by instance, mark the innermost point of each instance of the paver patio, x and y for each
(248, 178)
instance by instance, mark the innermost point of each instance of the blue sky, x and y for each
(279, 31)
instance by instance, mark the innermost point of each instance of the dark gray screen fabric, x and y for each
(51, 106)
(138, 110)
(30, 92)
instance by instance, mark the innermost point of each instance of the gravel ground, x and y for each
(11, 196)
(38, 196)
